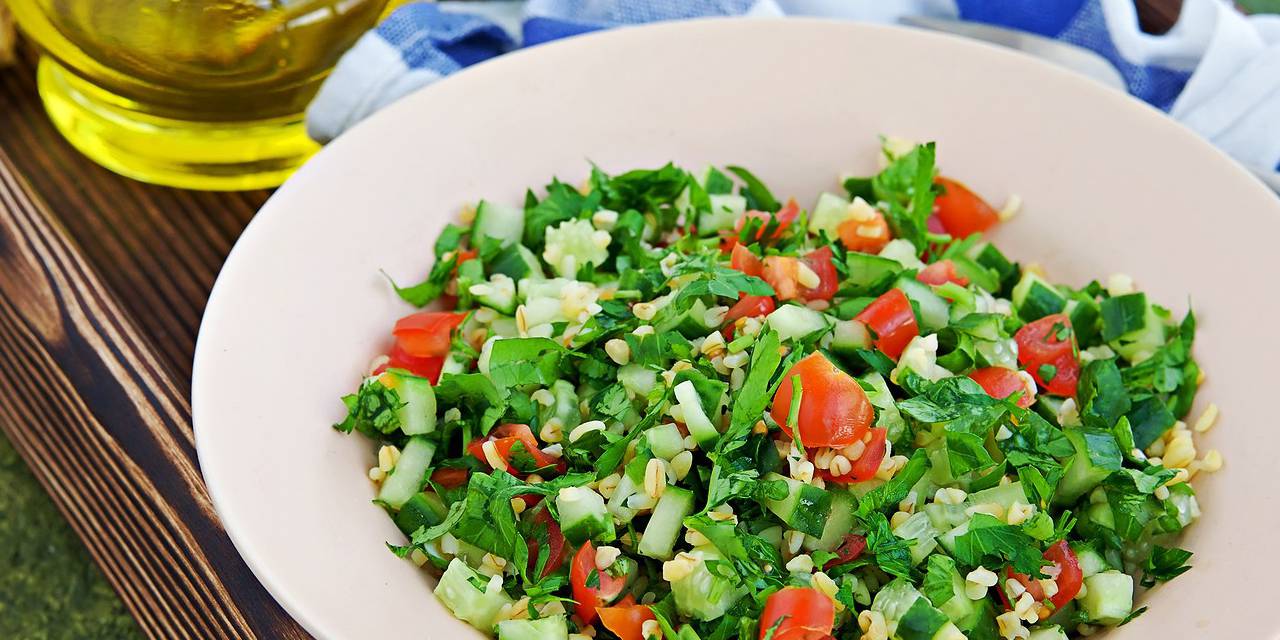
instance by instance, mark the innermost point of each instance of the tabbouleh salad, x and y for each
(668, 404)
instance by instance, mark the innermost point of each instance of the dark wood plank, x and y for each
(106, 428)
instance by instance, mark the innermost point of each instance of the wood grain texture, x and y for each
(97, 415)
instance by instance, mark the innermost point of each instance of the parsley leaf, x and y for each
(758, 196)
(938, 585)
(1102, 394)
(990, 543)
(515, 362)
(563, 202)
(1164, 564)
(371, 410)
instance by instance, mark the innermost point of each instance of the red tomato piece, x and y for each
(961, 211)
(800, 613)
(591, 598)
(626, 621)
(1069, 579)
(892, 320)
(867, 236)
(504, 438)
(866, 466)
(427, 333)
(427, 366)
(555, 543)
(941, 272)
(745, 261)
(1050, 341)
(784, 217)
(820, 262)
(848, 551)
(783, 274)
(747, 307)
(449, 477)
(1001, 383)
(834, 410)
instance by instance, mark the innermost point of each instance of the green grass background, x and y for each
(49, 587)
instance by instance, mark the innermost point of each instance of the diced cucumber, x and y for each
(1109, 597)
(638, 379)
(987, 255)
(549, 628)
(583, 515)
(1082, 473)
(895, 599)
(726, 208)
(934, 313)
(572, 245)
(966, 614)
(1050, 633)
(417, 413)
(1140, 343)
(848, 336)
(691, 323)
(469, 272)
(665, 441)
(702, 594)
(407, 477)
(458, 591)
(498, 221)
(1091, 562)
(1033, 298)
(805, 508)
(948, 539)
(920, 529)
(839, 522)
(518, 264)
(793, 321)
(421, 510)
(882, 399)
(1004, 495)
(504, 327)
(829, 212)
(945, 516)
(700, 426)
(499, 293)
(531, 288)
(666, 523)
(564, 405)
(903, 252)
(867, 272)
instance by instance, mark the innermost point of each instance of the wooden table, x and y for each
(103, 281)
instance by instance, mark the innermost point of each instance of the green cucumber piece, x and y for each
(417, 414)
(839, 523)
(934, 311)
(1049, 633)
(498, 221)
(665, 441)
(829, 212)
(549, 628)
(518, 264)
(1083, 473)
(700, 426)
(421, 510)
(726, 208)
(458, 591)
(848, 336)
(868, 272)
(1033, 298)
(1004, 495)
(409, 474)
(920, 529)
(1109, 597)
(793, 321)
(805, 508)
(1091, 562)
(583, 516)
(638, 379)
(665, 524)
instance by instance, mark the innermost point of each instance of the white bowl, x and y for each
(1110, 185)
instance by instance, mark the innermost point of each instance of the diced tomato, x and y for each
(784, 217)
(1050, 341)
(747, 307)
(783, 274)
(504, 438)
(427, 366)
(867, 236)
(800, 613)
(961, 211)
(590, 599)
(555, 543)
(834, 410)
(427, 333)
(934, 224)
(848, 551)
(626, 621)
(941, 272)
(1070, 576)
(745, 261)
(449, 477)
(820, 262)
(866, 466)
(892, 320)
(465, 255)
(1001, 383)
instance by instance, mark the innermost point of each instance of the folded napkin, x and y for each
(1216, 70)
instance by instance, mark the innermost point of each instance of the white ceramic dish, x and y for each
(1110, 185)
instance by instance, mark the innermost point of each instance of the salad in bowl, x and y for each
(667, 404)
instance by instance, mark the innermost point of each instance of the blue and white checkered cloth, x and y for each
(1217, 71)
